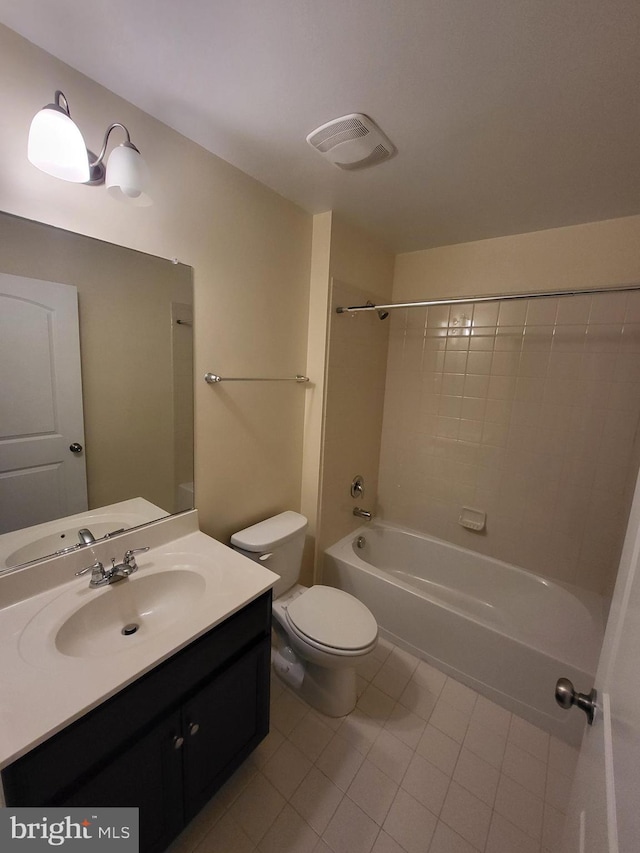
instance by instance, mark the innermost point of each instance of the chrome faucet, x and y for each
(86, 536)
(361, 513)
(101, 576)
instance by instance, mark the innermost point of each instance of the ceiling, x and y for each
(508, 115)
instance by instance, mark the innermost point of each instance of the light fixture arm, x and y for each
(128, 143)
(61, 96)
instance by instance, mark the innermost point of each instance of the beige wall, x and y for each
(250, 250)
(359, 269)
(528, 411)
(319, 298)
(592, 255)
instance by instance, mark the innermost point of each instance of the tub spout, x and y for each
(361, 513)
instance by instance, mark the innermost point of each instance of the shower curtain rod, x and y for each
(465, 300)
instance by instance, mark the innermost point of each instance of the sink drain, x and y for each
(131, 628)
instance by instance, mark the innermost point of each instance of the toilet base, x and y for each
(330, 691)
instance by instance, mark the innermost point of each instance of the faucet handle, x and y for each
(96, 567)
(98, 575)
(129, 556)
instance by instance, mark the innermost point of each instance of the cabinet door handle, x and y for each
(194, 728)
(178, 740)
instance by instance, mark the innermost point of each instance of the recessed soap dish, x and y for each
(473, 519)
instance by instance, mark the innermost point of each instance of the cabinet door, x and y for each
(223, 723)
(147, 775)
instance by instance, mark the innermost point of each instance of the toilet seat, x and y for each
(332, 620)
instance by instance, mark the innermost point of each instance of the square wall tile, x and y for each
(512, 313)
(574, 310)
(479, 362)
(470, 430)
(486, 313)
(537, 338)
(482, 339)
(509, 338)
(455, 362)
(438, 316)
(608, 308)
(542, 311)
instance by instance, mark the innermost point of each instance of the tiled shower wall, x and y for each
(525, 409)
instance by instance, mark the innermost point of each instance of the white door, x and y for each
(41, 477)
(604, 813)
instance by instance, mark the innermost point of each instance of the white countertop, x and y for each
(43, 690)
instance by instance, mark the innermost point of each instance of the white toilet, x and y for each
(322, 633)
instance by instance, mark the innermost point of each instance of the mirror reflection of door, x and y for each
(136, 333)
(41, 418)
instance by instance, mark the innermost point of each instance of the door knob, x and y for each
(194, 728)
(566, 696)
(75, 447)
(177, 742)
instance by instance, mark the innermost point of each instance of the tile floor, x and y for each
(422, 765)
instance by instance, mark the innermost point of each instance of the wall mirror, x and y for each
(132, 386)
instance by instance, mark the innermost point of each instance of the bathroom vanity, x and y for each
(158, 719)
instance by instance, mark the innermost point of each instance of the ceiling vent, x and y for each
(352, 142)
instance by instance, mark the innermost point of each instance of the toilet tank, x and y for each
(277, 543)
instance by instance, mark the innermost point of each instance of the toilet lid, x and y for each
(333, 618)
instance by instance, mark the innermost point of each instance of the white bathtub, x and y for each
(502, 630)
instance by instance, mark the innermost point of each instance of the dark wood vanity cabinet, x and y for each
(167, 742)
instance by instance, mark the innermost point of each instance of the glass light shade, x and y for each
(127, 177)
(56, 146)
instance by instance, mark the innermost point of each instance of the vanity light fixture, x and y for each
(57, 147)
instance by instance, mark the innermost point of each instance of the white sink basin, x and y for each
(82, 622)
(57, 536)
(62, 539)
(129, 611)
